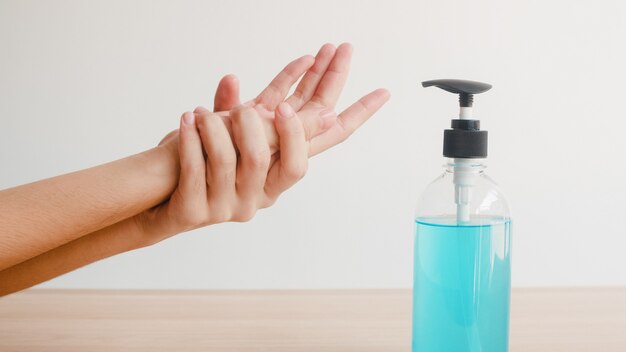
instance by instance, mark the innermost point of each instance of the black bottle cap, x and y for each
(465, 139)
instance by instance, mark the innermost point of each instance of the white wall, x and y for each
(85, 82)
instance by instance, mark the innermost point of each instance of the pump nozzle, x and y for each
(465, 89)
(464, 141)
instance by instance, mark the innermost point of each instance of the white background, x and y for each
(86, 82)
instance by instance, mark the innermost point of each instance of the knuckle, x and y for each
(295, 171)
(225, 159)
(307, 129)
(259, 159)
(220, 215)
(273, 86)
(193, 219)
(244, 213)
(194, 183)
(345, 131)
(268, 202)
(230, 178)
(298, 95)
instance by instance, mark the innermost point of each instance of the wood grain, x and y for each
(563, 319)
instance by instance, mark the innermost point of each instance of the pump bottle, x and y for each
(462, 244)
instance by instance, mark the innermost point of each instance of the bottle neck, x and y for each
(465, 174)
(465, 165)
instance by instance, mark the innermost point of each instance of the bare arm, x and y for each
(131, 233)
(40, 216)
(117, 238)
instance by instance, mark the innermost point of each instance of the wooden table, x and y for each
(353, 320)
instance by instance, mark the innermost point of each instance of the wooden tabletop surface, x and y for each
(563, 319)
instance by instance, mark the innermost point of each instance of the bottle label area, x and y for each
(462, 279)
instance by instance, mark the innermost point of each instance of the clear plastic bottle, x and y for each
(462, 268)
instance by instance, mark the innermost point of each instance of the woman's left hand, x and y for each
(236, 178)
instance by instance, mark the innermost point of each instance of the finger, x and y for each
(293, 161)
(315, 120)
(307, 86)
(314, 123)
(278, 89)
(334, 79)
(349, 120)
(254, 157)
(192, 181)
(186, 207)
(227, 94)
(221, 163)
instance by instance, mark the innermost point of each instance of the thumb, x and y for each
(227, 94)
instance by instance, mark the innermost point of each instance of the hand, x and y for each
(314, 99)
(318, 93)
(227, 97)
(229, 185)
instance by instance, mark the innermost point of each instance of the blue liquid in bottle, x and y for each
(461, 285)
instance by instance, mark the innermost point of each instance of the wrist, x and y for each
(162, 169)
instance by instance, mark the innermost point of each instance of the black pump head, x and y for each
(465, 139)
(465, 89)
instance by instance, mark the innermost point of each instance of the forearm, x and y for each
(117, 238)
(43, 215)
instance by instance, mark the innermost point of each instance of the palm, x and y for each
(318, 92)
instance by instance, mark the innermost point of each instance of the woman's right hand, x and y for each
(236, 177)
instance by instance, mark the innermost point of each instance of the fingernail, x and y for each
(286, 110)
(200, 109)
(189, 118)
(327, 114)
